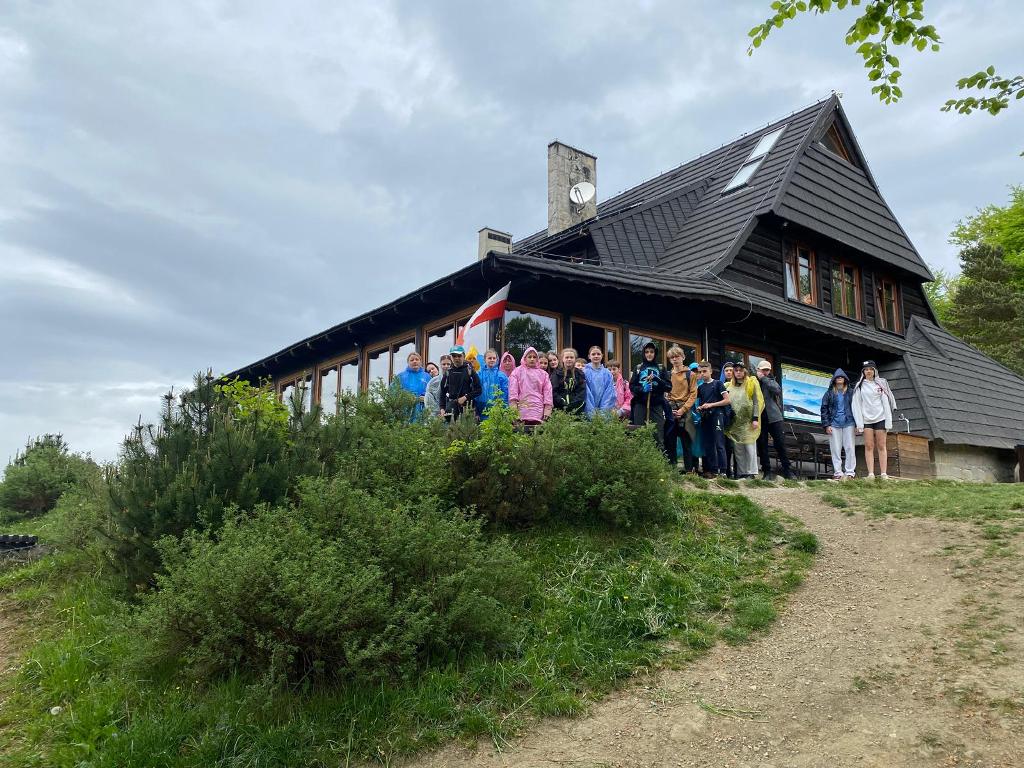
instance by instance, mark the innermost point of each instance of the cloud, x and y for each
(196, 184)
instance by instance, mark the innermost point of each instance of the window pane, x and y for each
(329, 389)
(734, 356)
(350, 377)
(287, 392)
(398, 354)
(378, 366)
(744, 174)
(852, 308)
(791, 281)
(611, 346)
(439, 342)
(766, 143)
(838, 295)
(806, 284)
(526, 329)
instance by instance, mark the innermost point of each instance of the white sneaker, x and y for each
(851, 475)
(883, 476)
(871, 475)
(837, 476)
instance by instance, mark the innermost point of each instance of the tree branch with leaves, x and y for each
(883, 27)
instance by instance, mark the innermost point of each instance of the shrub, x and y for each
(339, 584)
(502, 472)
(601, 472)
(35, 479)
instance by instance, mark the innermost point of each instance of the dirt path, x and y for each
(901, 649)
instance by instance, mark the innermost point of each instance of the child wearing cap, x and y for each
(459, 386)
(712, 397)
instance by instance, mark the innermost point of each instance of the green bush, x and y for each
(35, 479)
(501, 471)
(340, 584)
(570, 470)
(601, 472)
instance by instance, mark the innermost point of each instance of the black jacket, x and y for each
(771, 390)
(658, 381)
(569, 391)
(459, 382)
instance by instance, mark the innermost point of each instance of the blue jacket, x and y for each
(830, 402)
(600, 390)
(493, 387)
(414, 382)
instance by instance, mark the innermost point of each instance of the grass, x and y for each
(608, 606)
(984, 503)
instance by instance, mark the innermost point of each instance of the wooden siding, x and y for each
(830, 196)
(758, 264)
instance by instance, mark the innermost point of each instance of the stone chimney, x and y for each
(492, 240)
(568, 166)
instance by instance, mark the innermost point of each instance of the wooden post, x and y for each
(1020, 462)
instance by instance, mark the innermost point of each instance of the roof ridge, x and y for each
(703, 155)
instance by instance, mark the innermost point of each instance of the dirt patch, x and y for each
(902, 648)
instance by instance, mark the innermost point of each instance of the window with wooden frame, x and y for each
(749, 357)
(384, 361)
(639, 339)
(287, 386)
(336, 378)
(440, 336)
(846, 293)
(524, 327)
(584, 334)
(832, 140)
(887, 305)
(801, 274)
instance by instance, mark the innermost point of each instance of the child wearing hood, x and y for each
(837, 419)
(623, 397)
(649, 384)
(431, 400)
(414, 380)
(508, 364)
(460, 386)
(600, 396)
(529, 389)
(493, 383)
(873, 406)
(569, 385)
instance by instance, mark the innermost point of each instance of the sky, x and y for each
(192, 185)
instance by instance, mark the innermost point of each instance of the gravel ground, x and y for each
(902, 648)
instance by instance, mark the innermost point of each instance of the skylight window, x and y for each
(754, 159)
(744, 174)
(766, 143)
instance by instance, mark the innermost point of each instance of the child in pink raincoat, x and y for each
(507, 364)
(623, 397)
(529, 389)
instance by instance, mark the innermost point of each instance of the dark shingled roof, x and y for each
(683, 223)
(963, 396)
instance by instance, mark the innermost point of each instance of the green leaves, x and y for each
(885, 23)
(1001, 90)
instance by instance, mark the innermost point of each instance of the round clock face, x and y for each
(582, 193)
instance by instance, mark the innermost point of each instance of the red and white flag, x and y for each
(491, 309)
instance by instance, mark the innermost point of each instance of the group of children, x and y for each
(720, 426)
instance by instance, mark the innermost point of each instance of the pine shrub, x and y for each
(36, 478)
(603, 473)
(339, 584)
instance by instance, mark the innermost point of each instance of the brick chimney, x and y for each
(568, 166)
(492, 240)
